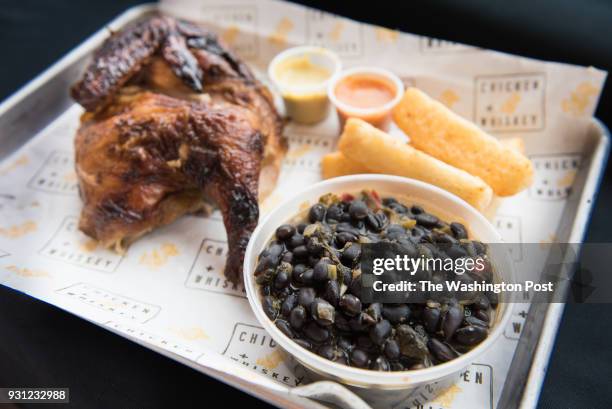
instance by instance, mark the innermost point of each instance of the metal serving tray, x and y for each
(46, 97)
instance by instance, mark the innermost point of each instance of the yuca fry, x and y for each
(336, 164)
(380, 152)
(438, 131)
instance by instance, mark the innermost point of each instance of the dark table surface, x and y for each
(43, 346)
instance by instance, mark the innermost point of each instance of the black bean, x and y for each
(374, 310)
(380, 364)
(440, 350)
(344, 237)
(471, 335)
(458, 230)
(451, 320)
(287, 257)
(431, 319)
(358, 210)
(482, 315)
(377, 221)
(282, 280)
(380, 332)
(396, 366)
(480, 248)
(322, 312)
(332, 292)
(342, 323)
(320, 270)
(306, 296)
(482, 303)
(455, 251)
(300, 252)
(327, 352)
(295, 241)
(270, 258)
(426, 220)
(303, 275)
(344, 344)
(399, 208)
(316, 213)
(288, 304)
(417, 209)
(351, 253)
(392, 349)
(472, 320)
(359, 358)
(334, 214)
(389, 200)
(355, 286)
(284, 327)
(269, 307)
(361, 322)
(297, 317)
(350, 305)
(493, 298)
(285, 231)
(303, 343)
(314, 246)
(315, 332)
(396, 314)
(346, 227)
(301, 227)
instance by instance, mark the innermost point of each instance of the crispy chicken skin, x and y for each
(173, 120)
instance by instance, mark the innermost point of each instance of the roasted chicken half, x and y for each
(173, 121)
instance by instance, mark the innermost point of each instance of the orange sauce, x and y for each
(364, 91)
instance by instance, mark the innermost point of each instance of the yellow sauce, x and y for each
(300, 72)
(302, 85)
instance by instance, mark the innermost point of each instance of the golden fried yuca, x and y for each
(382, 153)
(336, 164)
(438, 131)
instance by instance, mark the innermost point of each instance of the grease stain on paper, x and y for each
(21, 161)
(159, 256)
(26, 272)
(580, 99)
(191, 334)
(511, 103)
(272, 360)
(18, 230)
(281, 32)
(449, 98)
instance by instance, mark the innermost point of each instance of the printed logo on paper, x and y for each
(515, 326)
(430, 45)
(473, 389)
(305, 151)
(206, 272)
(554, 176)
(343, 36)
(119, 305)
(510, 229)
(157, 340)
(254, 348)
(56, 175)
(69, 245)
(513, 102)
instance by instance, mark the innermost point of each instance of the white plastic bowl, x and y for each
(373, 385)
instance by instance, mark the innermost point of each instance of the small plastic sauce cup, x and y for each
(367, 93)
(302, 75)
